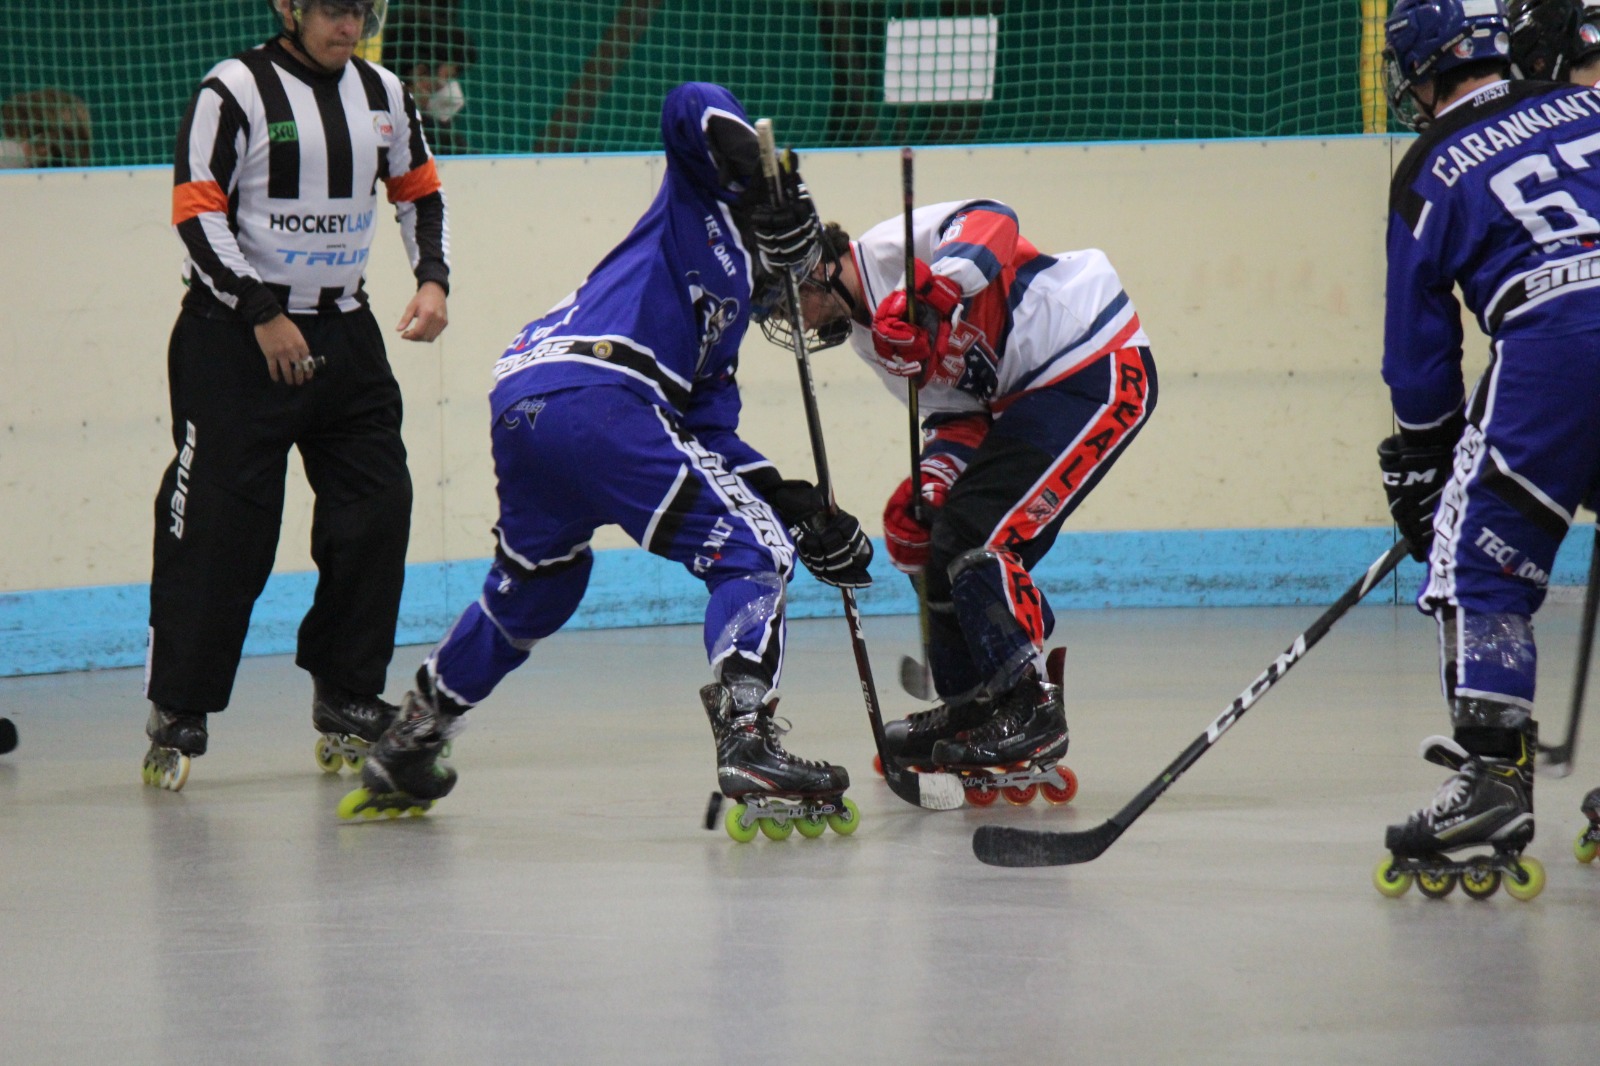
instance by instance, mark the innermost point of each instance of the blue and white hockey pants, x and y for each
(1530, 455)
(573, 460)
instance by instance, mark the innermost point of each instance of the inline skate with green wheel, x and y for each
(774, 792)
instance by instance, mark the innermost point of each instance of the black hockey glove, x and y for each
(788, 235)
(832, 547)
(1413, 479)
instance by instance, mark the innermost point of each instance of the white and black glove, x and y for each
(832, 546)
(1414, 476)
(788, 235)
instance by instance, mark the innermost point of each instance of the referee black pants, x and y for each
(220, 506)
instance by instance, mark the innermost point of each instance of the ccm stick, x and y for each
(937, 792)
(1559, 757)
(1002, 846)
(915, 676)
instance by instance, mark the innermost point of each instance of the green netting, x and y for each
(588, 75)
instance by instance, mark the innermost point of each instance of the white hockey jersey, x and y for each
(1026, 321)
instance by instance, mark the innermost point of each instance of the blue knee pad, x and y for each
(518, 608)
(1004, 616)
(744, 628)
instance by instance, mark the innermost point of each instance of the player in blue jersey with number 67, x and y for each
(619, 406)
(1499, 197)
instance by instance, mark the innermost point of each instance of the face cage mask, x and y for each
(1408, 110)
(770, 309)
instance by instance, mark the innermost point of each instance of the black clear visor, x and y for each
(769, 307)
(370, 12)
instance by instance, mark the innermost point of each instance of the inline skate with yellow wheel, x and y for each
(1486, 804)
(1589, 840)
(774, 792)
(176, 737)
(403, 773)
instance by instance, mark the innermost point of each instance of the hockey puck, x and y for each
(8, 736)
(713, 808)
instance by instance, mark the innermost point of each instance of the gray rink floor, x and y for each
(564, 905)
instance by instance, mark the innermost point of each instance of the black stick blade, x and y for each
(999, 845)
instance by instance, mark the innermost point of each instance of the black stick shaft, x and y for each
(914, 415)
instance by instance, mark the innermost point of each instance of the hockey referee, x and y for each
(274, 195)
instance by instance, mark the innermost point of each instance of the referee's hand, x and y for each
(424, 317)
(288, 356)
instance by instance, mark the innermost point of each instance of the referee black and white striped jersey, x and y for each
(275, 184)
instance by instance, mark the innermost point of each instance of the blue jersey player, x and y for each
(1499, 197)
(619, 406)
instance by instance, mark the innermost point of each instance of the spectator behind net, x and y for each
(45, 128)
(431, 54)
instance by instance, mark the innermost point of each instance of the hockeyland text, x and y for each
(180, 492)
(321, 223)
(1474, 149)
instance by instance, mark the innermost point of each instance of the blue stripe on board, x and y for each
(55, 630)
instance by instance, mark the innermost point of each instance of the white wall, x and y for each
(1256, 266)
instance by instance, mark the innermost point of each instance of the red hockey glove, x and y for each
(909, 349)
(908, 529)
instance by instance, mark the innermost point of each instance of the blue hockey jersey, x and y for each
(1501, 196)
(664, 313)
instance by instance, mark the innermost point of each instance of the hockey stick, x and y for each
(938, 792)
(1559, 758)
(915, 675)
(1001, 846)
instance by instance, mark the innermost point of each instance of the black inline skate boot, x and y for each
(1486, 803)
(910, 740)
(1028, 724)
(1017, 752)
(175, 738)
(403, 773)
(772, 790)
(349, 722)
(1588, 841)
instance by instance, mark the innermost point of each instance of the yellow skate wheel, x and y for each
(777, 830)
(812, 826)
(1436, 886)
(355, 805)
(847, 821)
(733, 822)
(1389, 881)
(1481, 881)
(1525, 880)
(328, 756)
(359, 759)
(1584, 848)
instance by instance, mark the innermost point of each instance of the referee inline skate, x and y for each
(348, 722)
(774, 792)
(176, 737)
